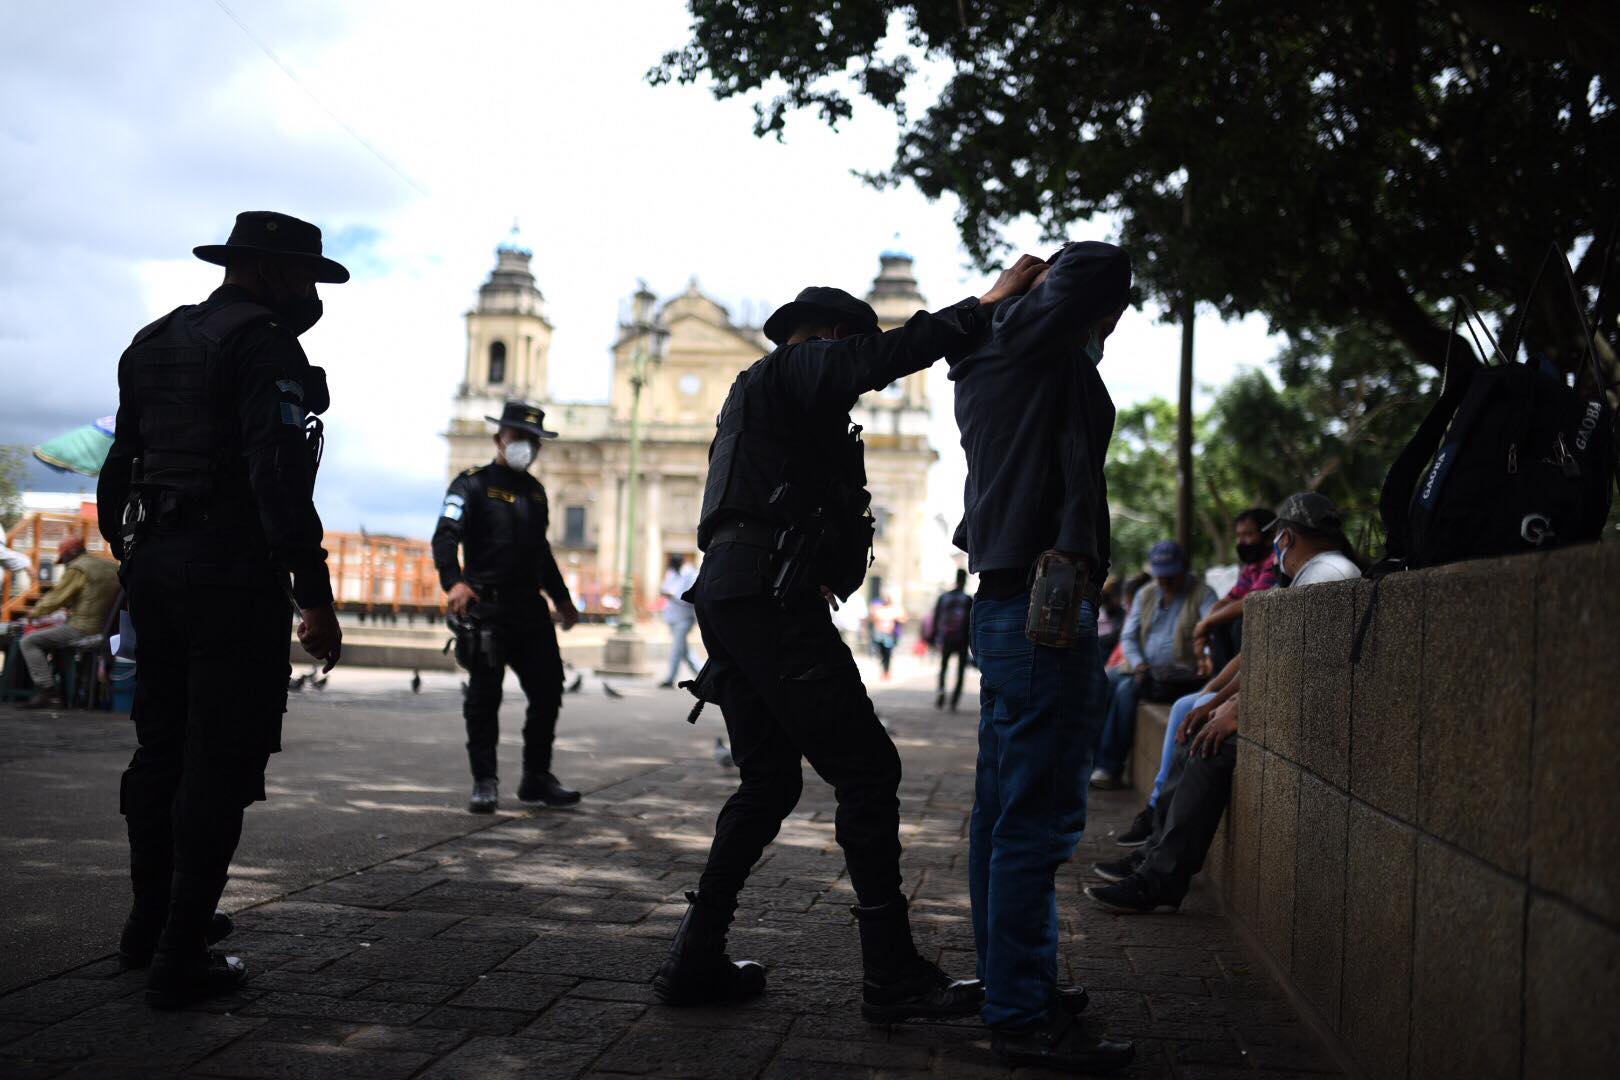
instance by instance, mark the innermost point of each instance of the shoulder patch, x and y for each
(474, 471)
(500, 493)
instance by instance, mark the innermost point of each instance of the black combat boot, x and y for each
(183, 969)
(900, 984)
(542, 787)
(697, 969)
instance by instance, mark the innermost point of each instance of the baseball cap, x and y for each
(1166, 559)
(1310, 510)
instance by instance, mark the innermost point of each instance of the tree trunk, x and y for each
(1184, 433)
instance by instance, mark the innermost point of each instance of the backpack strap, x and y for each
(1395, 501)
(222, 322)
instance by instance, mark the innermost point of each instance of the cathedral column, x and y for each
(652, 559)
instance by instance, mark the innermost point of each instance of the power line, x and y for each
(293, 75)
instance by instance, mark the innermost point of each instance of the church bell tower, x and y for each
(508, 343)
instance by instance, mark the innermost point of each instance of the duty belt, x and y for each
(751, 532)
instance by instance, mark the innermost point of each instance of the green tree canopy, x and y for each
(1353, 162)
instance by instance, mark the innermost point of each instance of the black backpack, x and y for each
(1510, 459)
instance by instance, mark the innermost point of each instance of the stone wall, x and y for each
(1427, 845)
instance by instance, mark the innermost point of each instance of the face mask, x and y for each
(1277, 549)
(1252, 553)
(520, 454)
(299, 313)
(1094, 349)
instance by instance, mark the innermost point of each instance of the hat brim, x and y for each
(785, 318)
(1167, 570)
(327, 271)
(532, 429)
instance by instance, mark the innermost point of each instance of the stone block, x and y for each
(1285, 680)
(1259, 621)
(1572, 984)
(1319, 874)
(1324, 707)
(1279, 820)
(1380, 882)
(1243, 830)
(1384, 697)
(1575, 778)
(512, 1059)
(1474, 759)
(1148, 747)
(1467, 968)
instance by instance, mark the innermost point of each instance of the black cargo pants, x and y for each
(212, 638)
(790, 692)
(525, 641)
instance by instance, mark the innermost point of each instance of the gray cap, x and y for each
(1310, 510)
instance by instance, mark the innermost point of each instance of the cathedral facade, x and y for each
(585, 470)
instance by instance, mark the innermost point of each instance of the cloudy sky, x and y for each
(414, 134)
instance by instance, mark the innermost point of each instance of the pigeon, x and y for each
(573, 687)
(722, 754)
(315, 678)
(297, 685)
(416, 682)
(609, 691)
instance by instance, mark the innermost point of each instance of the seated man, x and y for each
(1153, 880)
(88, 589)
(1158, 637)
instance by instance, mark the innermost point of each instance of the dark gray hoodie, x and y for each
(1036, 419)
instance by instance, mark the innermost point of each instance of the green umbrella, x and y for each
(82, 450)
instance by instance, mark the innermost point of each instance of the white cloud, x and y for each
(130, 136)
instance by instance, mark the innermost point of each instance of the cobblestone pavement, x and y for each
(524, 949)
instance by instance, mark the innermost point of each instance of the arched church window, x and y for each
(497, 362)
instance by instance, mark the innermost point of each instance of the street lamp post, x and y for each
(625, 652)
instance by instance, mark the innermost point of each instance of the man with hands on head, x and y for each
(786, 529)
(493, 559)
(207, 499)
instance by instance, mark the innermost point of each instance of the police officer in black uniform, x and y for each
(206, 499)
(786, 529)
(498, 513)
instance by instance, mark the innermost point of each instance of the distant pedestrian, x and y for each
(88, 588)
(15, 564)
(888, 620)
(953, 619)
(679, 616)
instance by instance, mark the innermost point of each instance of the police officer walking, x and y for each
(206, 499)
(498, 514)
(787, 528)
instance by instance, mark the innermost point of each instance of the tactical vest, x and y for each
(816, 480)
(190, 436)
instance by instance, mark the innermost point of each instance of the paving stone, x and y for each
(304, 983)
(575, 1020)
(1330, 624)
(1194, 962)
(304, 1032)
(488, 928)
(410, 992)
(1572, 983)
(435, 1042)
(842, 1052)
(1466, 1018)
(481, 1021)
(588, 909)
(1576, 772)
(1385, 697)
(1474, 763)
(11, 1030)
(1284, 1047)
(46, 1002)
(513, 990)
(128, 1032)
(371, 889)
(1317, 963)
(1279, 811)
(302, 917)
(434, 960)
(607, 990)
(1380, 882)
(629, 959)
(282, 1003)
(273, 1061)
(678, 1053)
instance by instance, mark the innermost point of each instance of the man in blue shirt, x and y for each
(1036, 420)
(1158, 638)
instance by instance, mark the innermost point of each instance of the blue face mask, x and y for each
(1276, 549)
(1094, 349)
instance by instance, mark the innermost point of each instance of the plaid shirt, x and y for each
(1255, 577)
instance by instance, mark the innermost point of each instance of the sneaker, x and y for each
(485, 797)
(1136, 895)
(1103, 780)
(1141, 830)
(939, 701)
(174, 986)
(1062, 1045)
(1120, 869)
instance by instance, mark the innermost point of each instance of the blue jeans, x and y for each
(678, 652)
(1167, 758)
(1037, 727)
(1119, 729)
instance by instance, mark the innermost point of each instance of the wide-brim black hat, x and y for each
(524, 417)
(820, 302)
(265, 232)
